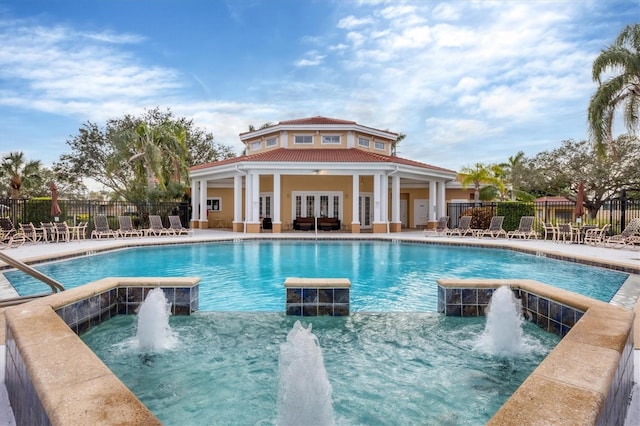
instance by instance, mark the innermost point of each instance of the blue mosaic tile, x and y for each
(341, 309)
(469, 296)
(453, 297)
(568, 316)
(295, 310)
(309, 310)
(325, 295)
(454, 310)
(469, 310)
(341, 295)
(543, 307)
(325, 310)
(309, 295)
(294, 295)
(484, 295)
(555, 311)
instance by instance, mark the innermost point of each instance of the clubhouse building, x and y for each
(320, 173)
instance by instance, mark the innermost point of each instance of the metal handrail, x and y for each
(55, 285)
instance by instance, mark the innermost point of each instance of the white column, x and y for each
(255, 198)
(432, 201)
(195, 201)
(395, 198)
(276, 197)
(355, 202)
(442, 202)
(237, 198)
(248, 193)
(376, 198)
(203, 201)
(384, 198)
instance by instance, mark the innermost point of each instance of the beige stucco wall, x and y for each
(317, 141)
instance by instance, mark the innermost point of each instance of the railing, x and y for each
(617, 212)
(76, 211)
(53, 284)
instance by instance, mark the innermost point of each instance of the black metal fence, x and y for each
(617, 212)
(73, 212)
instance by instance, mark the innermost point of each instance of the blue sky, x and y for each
(466, 81)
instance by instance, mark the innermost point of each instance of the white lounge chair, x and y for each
(156, 227)
(525, 229)
(176, 225)
(441, 227)
(102, 228)
(463, 228)
(627, 236)
(126, 227)
(495, 228)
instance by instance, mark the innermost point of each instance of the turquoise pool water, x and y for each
(384, 369)
(385, 276)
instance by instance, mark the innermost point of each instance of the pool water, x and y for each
(385, 276)
(384, 369)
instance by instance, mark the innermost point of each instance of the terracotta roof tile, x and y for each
(316, 120)
(340, 155)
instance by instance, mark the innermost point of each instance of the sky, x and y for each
(466, 81)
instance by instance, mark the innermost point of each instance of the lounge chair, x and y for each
(525, 229)
(441, 227)
(126, 228)
(495, 228)
(463, 228)
(627, 236)
(156, 227)
(102, 228)
(596, 236)
(9, 236)
(176, 226)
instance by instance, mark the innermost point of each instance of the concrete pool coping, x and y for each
(628, 260)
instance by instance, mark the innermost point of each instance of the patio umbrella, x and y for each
(579, 209)
(55, 208)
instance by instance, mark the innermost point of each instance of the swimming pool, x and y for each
(385, 276)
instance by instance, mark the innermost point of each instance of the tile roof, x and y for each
(318, 119)
(326, 155)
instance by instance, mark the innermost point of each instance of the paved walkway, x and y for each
(622, 257)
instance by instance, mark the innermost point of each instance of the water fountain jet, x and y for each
(153, 330)
(304, 394)
(503, 331)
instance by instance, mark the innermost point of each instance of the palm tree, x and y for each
(480, 174)
(18, 171)
(157, 154)
(620, 61)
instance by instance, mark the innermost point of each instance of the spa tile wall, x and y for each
(310, 302)
(26, 405)
(548, 314)
(83, 314)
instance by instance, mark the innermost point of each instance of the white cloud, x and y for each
(450, 131)
(313, 58)
(351, 22)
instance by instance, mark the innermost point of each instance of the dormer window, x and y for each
(330, 139)
(255, 146)
(303, 139)
(379, 145)
(364, 142)
(271, 142)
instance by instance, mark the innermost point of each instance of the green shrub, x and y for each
(513, 211)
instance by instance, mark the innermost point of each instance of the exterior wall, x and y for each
(224, 217)
(317, 141)
(459, 194)
(289, 183)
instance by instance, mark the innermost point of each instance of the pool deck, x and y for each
(620, 258)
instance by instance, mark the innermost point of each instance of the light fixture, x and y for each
(315, 172)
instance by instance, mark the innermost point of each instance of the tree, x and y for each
(394, 144)
(477, 175)
(621, 91)
(141, 158)
(558, 172)
(20, 172)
